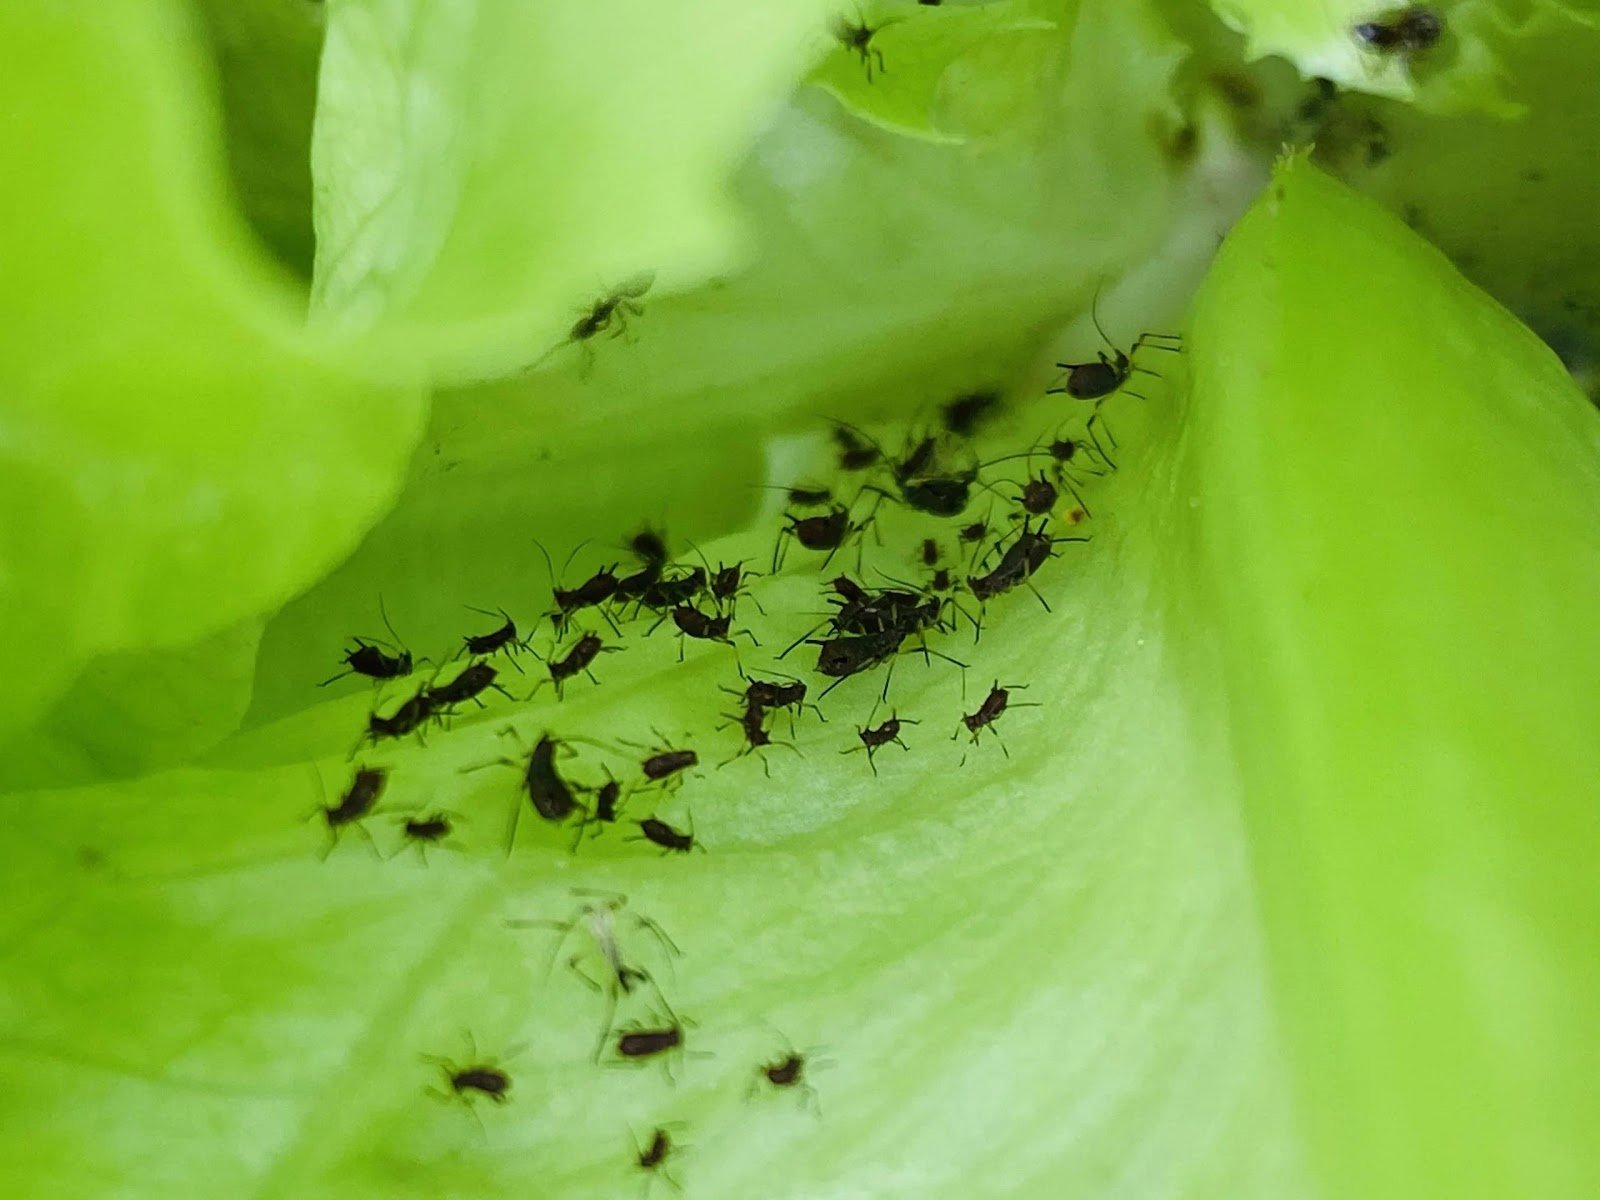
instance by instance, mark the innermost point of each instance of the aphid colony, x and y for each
(975, 532)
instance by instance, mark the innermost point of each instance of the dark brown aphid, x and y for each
(805, 497)
(605, 802)
(842, 657)
(471, 683)
(358, 800)
(470, 1082)
(613, 309)
(727, 582)
(369, 659)
(406, 719)
(940, 580)
(964, 414)
(856, 37)
(664, 594)
(786, 1072)
(673, 841)
(706, 627)
(876, 737)
(503, 638)
(591, 593)
(753, 723)
(930, 552)
(1039, 496)
(766, 694)
(650, 547)
(429, 829)
(1028, 551)
(548, 793)
(647, 1043)
(668, 764)
(994, 706)
(652, 1156)
(825, 532)
(856, 453)
(1409, 30)
(975, 532)
(579, 659)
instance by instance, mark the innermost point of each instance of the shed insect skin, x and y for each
(1409, 30)
(613, 309)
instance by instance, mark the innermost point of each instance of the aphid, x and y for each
(613, 309)
(358, 800)
(1027, 552)
(370, 660)
(647, 1043)
(875, 737)
(964, 414)
(940, 580)
(1408, 30)
(651, 548)
(471, 683)
(930, 552)
(502, 639)
(668, 764)
(705, 627)
(591, 593)
(548, 793)
(605, 802)
(806, 497)
(671, 841)
(856, 36)
(1039, 496)
(408, 718)
(856, 453)
(825, 532)
(974, 532)
(427, 829)
(467, 1083)
(727, 582)
(579, 658)
(665, 594)
(847, 655)
(598, 920)
(1095, 380)
(787, 1073)
(994, 706)
(653, 1157)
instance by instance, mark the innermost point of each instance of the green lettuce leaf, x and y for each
(1396, 495)
(187, 455)
(481, 168)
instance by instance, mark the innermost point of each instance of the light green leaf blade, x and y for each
(889, 276)
(484, 169)
(1461, 73)
(891, 61)
(190, 456)
(1396, 497)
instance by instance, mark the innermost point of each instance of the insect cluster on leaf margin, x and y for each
(903, 538)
